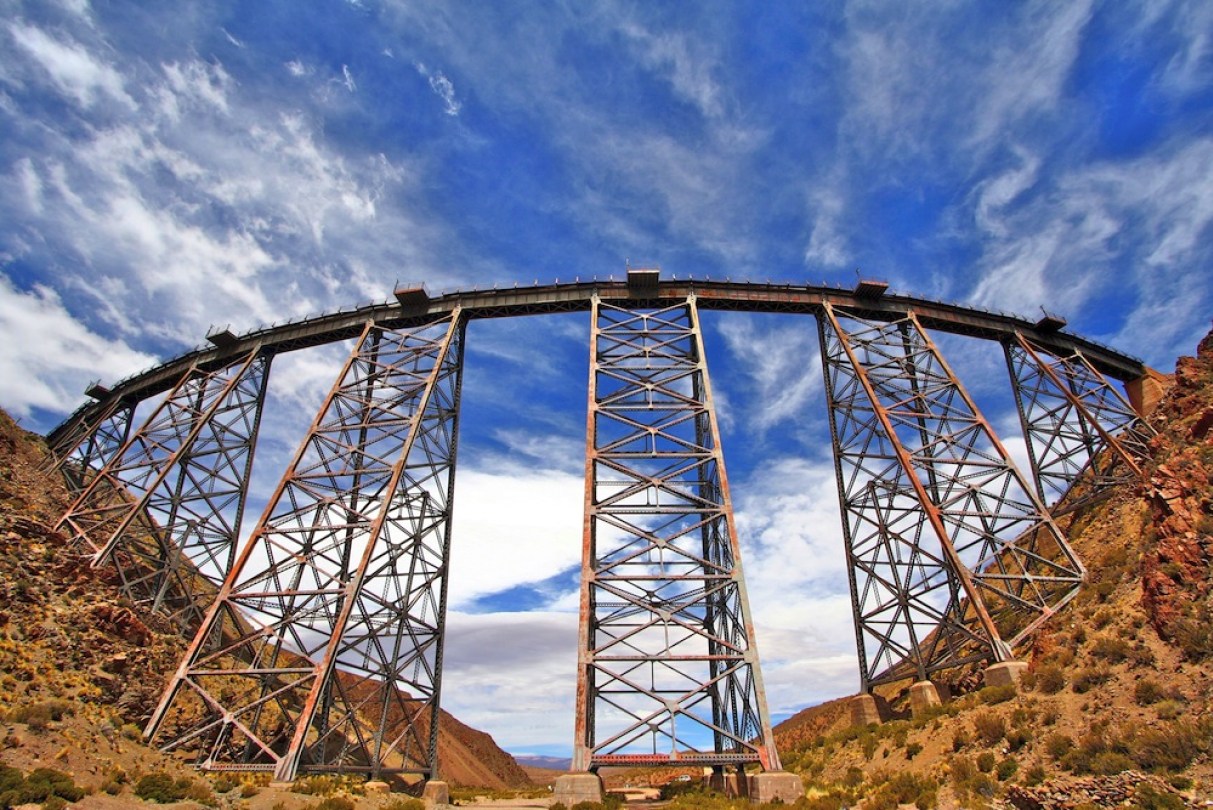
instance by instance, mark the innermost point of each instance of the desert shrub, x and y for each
(42, 785)
(962, 769)
(853, 777)
(1193, 633)
(1171, 749)
(1147, 692)
(1169, 709)
(10, 778)
(992, 695)
(868, 743)
(1058, 745)
(989, 727)
(1035, 775)
(1088, 679)
(226, 783)
(161, 788)
(558, 806)
(1017, 738)
(336, 803)
(985, 761)
(1148, 797)
(200, 792)
(248, 790)
(1077, 761)
(1050, 679)
(960, 739)
(405, 804)
(1006, 769)
(1109, 763)
(904, 788)
(1111, 649)
(1142, 656)
(913, 750)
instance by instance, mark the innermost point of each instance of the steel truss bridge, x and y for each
(317, 635)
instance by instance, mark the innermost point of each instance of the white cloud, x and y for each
(348, 79)
(297, 69)
(512, 675)
(511, 529)
(782, 362)
(682, 61)
(443, 87)
(72, 69)
(50, 355)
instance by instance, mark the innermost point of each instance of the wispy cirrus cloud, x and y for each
(75, 72)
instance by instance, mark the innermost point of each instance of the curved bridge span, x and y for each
(741, 296)
(317, 635)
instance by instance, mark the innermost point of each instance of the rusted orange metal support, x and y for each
(668, 671)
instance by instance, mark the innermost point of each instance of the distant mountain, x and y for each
(546, 763)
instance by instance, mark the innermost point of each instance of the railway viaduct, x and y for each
(317, 634)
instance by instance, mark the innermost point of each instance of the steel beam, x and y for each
(129, 514)
(197, 506)
(1083, 437)
(89, 442)
(941, 529)
(668, 670)
(323, 650)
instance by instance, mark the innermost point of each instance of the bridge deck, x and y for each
(575, 297)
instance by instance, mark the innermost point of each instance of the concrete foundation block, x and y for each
(435, 794)
(376, 788)
(864, 710)
(772, 785)
(923, 697)
(571, 788)
(1005, 673)
(730, 784)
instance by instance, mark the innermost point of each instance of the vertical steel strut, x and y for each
(1071, 414)
(89, 442)
(170, 539)
(952, 556)
(323, 650)
(667, 666)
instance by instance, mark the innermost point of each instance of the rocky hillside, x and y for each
(1117, 706)
(81, 670)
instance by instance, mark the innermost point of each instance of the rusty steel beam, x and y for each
(917, 610)
(1079, 429)
(198, 515)
(667, 666)
(89, 442)
(989, 529)
(323, 650)
(151, 548)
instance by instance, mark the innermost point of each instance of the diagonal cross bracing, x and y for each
(323, 650)
(165, 510)
(1078, 427)
(668, 671)
(977, 555)
(89, 443)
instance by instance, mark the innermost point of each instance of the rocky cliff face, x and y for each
(81, 670)
(1177, 567)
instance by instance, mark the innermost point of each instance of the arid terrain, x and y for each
(1116, 708)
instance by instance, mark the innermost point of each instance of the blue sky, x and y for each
(170, 168)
